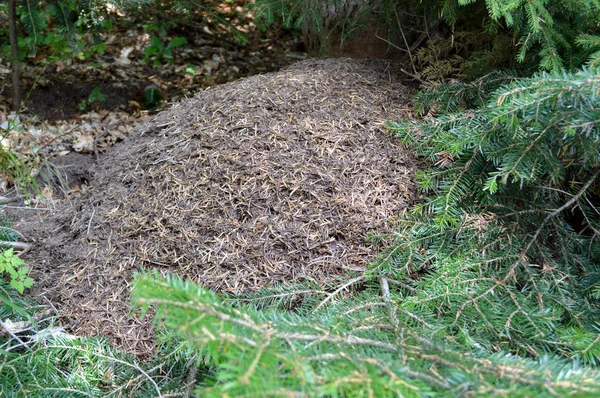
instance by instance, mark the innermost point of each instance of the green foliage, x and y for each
(546, 32)
(54, 28)
(498, 264)
(7, 233)
(165, 16)
(315, 17)
(38, 359)
(159, 53)
(14, 170)
(95, 95)
(291, 14)
(152, 98)
(33, 18)
(592, 43)
(502, 254)
(456, 57)
(13, 306)
(354, 347)
(490, 288)
(64, 13)
(435, 64)
(36, 17)
(14, 268)
(455, 95)
(61, 365)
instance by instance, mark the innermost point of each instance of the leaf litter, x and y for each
(270, 179)
(61, 114)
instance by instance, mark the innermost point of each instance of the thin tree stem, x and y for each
(12, 29)
(561, 209)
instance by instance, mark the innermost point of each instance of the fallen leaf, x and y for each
(84, 144)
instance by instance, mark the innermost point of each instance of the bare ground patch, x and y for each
(270, 179)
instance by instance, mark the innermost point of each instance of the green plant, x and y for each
(591, 43)
(358, 346)
(95, 96)
(152, 98)
(499, 266)
(316, 19)
(159, 53)
(534, 33)
(14, 268)
(15, 170)
(489, 287)
(503, 253)
(7, 233)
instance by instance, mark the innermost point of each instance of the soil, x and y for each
(61, 99)
(270, 179)
(56, 90)
(58, 96)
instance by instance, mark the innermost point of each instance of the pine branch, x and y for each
(556, 212)
(32, 19)
(278, 346)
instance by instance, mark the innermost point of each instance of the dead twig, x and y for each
(14, 336)
(24, 247)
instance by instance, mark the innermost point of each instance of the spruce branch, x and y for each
(344, 286)
(385, 292)
(14, 336)
(115, 360)
(373, 357)
(565, 206)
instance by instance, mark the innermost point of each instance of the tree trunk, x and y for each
(350, 28)
(12, 29)
(328, 22)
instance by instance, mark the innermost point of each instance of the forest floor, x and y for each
(86, 102)
(287, 176)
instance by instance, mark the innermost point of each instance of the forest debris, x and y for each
(84, 143)
(266, 180)
(123, 57)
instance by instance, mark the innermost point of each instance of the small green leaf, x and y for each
(18, 286)
(96, 95)
(177, 42)
(28, 282)
(13, 266)
(150, 51)
(156, 42)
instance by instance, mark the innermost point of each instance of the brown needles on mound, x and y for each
(274, 178)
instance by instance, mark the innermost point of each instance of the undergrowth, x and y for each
(503, 253)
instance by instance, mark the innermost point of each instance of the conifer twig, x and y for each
(191, 380)
(556, 212)
(533, 239)
(334, 293)
(245, 378)
(117, 360)
(412, 62)
(16, 245)
(14, 231)
(403, 285)
(415, 77)
(14, 336)
(385, 292)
